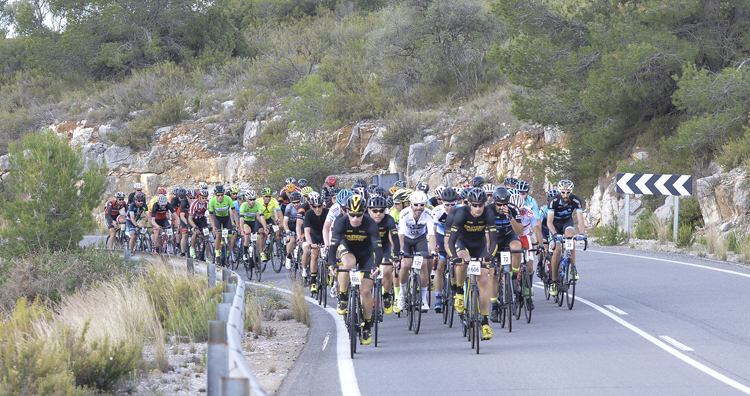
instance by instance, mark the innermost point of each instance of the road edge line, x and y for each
(674, 262)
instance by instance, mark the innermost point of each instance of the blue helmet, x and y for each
(343, 195)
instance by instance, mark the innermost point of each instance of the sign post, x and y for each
(651, 184)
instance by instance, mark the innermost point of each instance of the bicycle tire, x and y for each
(509, 305)
(147, 245)
(477, 317)
(375, 317)
(559, 298)
(409, 306)
(526, 286)
(353, 325)
(446, 296)
(546, 289)
(248, 269)
(279, 254)
(471, 311)
(417, 302)
(570, 295)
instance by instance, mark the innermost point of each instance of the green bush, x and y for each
(685, 236)
(274, 132)
(307, 157)
(169, 111)
(484, 131)
(733, 240)
(101, 363)
(137, 134)
(405, 129)
(610, 235)
(645, 226)
(690, 213)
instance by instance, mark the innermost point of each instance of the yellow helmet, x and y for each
(290, 188)
(356, 203)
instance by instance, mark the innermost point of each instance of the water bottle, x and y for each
(562, 266)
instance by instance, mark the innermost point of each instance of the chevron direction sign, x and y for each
(650, 184)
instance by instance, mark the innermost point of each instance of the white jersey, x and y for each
(440, 215)
(334, 212)
(413, 229)
(528, 221)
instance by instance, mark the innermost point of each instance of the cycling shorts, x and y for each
(477, 249)
(505, 240)
(163, 223)
(387, 254)
(131, 226)
(526, 241)
(316, 239)
(440, 241)
(365, 259)
(108, 219)
(545, 232)
(417, 245)
(562, 225)
(223, 222)
(200, 224)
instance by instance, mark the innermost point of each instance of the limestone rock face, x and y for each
(723, 198)
(375, 154)
(117, 156)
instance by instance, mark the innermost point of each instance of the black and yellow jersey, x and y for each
(365, 238)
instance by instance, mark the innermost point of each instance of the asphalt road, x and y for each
(644, 323)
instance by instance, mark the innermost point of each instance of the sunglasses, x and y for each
(477, 205)
(377, 210)
(120, 199)
(418, 205)
(565, 193)
(267, 196)
(251, 199)
(139, 190)
(355, 215)
(219, 195)
(500, 204)
(316, 206)
(233, 194)
(449, 204)
(201, 197)
(295, 203)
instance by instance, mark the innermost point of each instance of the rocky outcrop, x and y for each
(723, 199)
(420, 154)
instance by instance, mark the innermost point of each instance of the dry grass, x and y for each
(744, 247)
(300, 311)
(160, 352)
(255, 316)
(662, 229)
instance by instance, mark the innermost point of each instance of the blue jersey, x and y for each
(531, 203)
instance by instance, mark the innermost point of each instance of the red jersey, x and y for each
(113, 208)
(198, 210)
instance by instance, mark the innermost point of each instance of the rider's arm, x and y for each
(431, 232)
(451, 244)
(191, 222)
(327, 232)
(377, 245)
(336, 235)
(581, 224)
(395, 240)
(299, 228)
(551, 221)
(491, 232)
(515, 221)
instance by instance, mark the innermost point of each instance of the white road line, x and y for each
(347, 376)
(679, 355)
(674, 262)
(676, 343)
(325, 342)
(616, 310)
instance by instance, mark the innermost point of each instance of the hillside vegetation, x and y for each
(665, 77)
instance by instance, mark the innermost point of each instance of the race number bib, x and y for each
(122, 227)
(356, 278)
(170, 232)
(569, 244)
(417, 263)
(224, 233)
(474, 268)
(380, 274)
(205, 232)
(275, 228)
(254, 237)
(504, 258)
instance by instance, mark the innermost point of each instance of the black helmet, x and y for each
(140, 197)
(450, 194)
(356, 203)
(371, 187)
(295, 196)
(362, 182)
(389, 201)
(510, 181)
(477, 181)
(522, 186)
(422, 186)
(219, 189)
(501, 195)
(400, 184)
(379, 191)
(377, 202)
(302, 183)
(465, 192)
(182, 193)
(477, 194)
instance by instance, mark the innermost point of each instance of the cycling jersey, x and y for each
(292, 215)
(152, 202)
(395, 213)
(113, 207)
(533, 205)
(315, 224)
(440, 215)
(434, 202)
(198, 209)
(413, 228)
(160, 212)
(220, 209)
(334, 212)
(472, 230)
(175, 201)
(502, 221)
(360, 241)
(528, 221)
(136, 210)
(387, 227)
(327, 196)
(184, 207)
(564, 212)
(270, 209)
(249, 212)
(131, 198)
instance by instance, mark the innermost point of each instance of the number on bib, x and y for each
(170, 232)
(474, 268)
(356, 278)
(504, 258)
(417, 263)
(122, 227)
(569, 244)
(380, 274)
(205, 232)
(275, 228)
(224, 233)
(254, 237)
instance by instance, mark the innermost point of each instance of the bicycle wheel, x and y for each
(477, 316)
(353, 325)
(471, 310)
(377, 298)
(546, 289)
(280, 255)
(509, 303)
(417, 302)
(559, 298)
(324, 281)
(570, 295)
(526, 292)
(146, 244)
(409, 305)
(248, 269)
(446, 296)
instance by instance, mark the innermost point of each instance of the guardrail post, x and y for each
(228, 298)
(222, 311)
(225, 274)
(217, 356)
(230, 288)
(234, 386)
(233, 279)
(190, 266)
(627, 214)
(126, 253)
(211, 272)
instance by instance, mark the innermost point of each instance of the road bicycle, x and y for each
(251, 261)
(166, 241)
(295, 267)
(142, 240)
(377, 304)
(471, 318)
(323, 276)
(505, 295)
(448, 308)
(354, 318)
(566, 277)
(522, 285)
(121, 238)
(275, 248)
(414, 294)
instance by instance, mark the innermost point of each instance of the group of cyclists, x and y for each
(371, 228)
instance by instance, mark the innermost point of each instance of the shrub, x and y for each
(690, 213)
(306, 157)
(101, 363)
(53, 198)
(610, 235)
(405, 129)
(274, 132)
(646, 226)
(169, 111)
(733, 241)
(300, 310)
(685, 236)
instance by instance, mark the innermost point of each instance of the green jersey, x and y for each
(249, 212)
(220, 209)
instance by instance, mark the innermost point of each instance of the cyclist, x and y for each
(284, 196)
(560, 221)
(135, 218)
(198, 221)
(545, 230)
(477, 181)
(113, 216)
(470, 228)
(137, 187)
(376, 208)
(292, 213)
(336, 209)
(437, 199)
(159, 191)
(400, 202)
(313, 224)
(531, 229)
(414, 226)
(327, 191)
(302, 183)
(158, 217)
(221, 214)
(305, 194)
(182, 212)
(356, 242)
(203, 186)
(270, 208)
(510, 182)
(400, 184)
(251, 220)
(449, 197)
(508, 226)
(489, 188)
(234, 192)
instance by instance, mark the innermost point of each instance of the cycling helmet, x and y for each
(302, 183)
(400, 184)
(203, 186)
(295, 196)
(120, 195)
(290, 180)
(418, 197)
(140, 197)
(203, 193)
(439, 191)
(522, 186)
(219, 189)
(402, 195)
(330, 181)
(342, 196)
(371, 187)
(465, 192)
(182, 193)
(161, 190)
(251, 194)
(162, 200)
(379, 191)
(565, 185)
(315, 199)
(235, 189)
(137, 186)
(449, 195)
(477, 181)
(289, 188)
(362, 182)
(476, 194)
(424, 187)
(510, 182)
(190, 193)
(377, 202)
(488, 188)
(307, 190)
(335, 190)
(244, 186)
(176, 191)
(501, 195)
(517, 200)
(241, 196)
(362, 192)
(512, 191)
(266, 192)
(552, 193)
(393, 190)
(389, 201)
(356, 203)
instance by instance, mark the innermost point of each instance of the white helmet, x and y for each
(203, 186)
(251, 194)
(137, 186)
(517, 200)
(489, 188)
(439, 191)
(162, 200)
(418, 197)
